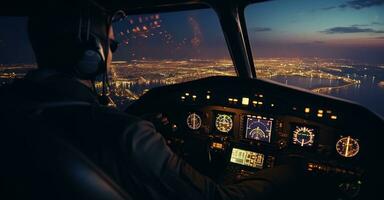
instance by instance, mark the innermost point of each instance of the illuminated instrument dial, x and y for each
(224, 123)
(303, 136)
(194, 121)
(259, 129)
(259, 134)
(347, 147)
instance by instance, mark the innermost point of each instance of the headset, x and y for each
(92, 59)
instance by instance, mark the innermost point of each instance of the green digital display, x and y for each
(247, 158)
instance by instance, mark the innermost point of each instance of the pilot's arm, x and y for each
(148, 150)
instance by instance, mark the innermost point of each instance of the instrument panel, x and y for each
(276, 131)
(249, 141)
(247, 125)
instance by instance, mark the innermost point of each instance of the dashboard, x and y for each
(230, 128)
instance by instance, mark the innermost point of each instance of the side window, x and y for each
(329, 47)
(16, 55)
(167, 48)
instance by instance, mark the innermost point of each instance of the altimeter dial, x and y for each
(347, 147)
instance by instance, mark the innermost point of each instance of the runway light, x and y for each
(245, 101)
(307, 110)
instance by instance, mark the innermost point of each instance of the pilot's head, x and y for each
(75, 41)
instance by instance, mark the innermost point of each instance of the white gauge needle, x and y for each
(347, 148)
(302, 142)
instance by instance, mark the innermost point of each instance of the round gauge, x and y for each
(347, 147)
(194, 121)
(303, 136)
(224, 123)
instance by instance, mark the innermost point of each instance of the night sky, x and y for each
(352, 29)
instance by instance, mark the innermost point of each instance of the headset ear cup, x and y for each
(91, 61)
(89, 64)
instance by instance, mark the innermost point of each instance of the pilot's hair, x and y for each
(54, 36)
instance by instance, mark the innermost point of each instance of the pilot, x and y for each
(72, 50)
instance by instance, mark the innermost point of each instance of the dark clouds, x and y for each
(319, 42)
(360, 25)
(360, 4)
(350, 29)
(357, 4)
(261, 29)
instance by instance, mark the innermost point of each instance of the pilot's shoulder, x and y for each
(113, 117)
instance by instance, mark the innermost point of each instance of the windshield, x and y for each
(167, 48)
(155, 49)
(329, 47)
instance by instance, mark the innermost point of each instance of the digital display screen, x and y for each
(258, 129)
(247, 158)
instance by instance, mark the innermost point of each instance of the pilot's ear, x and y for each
(111, 33)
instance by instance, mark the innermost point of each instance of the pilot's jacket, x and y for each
(130, 150)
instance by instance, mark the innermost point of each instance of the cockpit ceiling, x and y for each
(28, 7)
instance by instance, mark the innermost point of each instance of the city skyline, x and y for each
(336, 77)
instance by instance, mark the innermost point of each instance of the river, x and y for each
(368, 92)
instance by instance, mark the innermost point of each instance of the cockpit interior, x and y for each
(231, 127)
